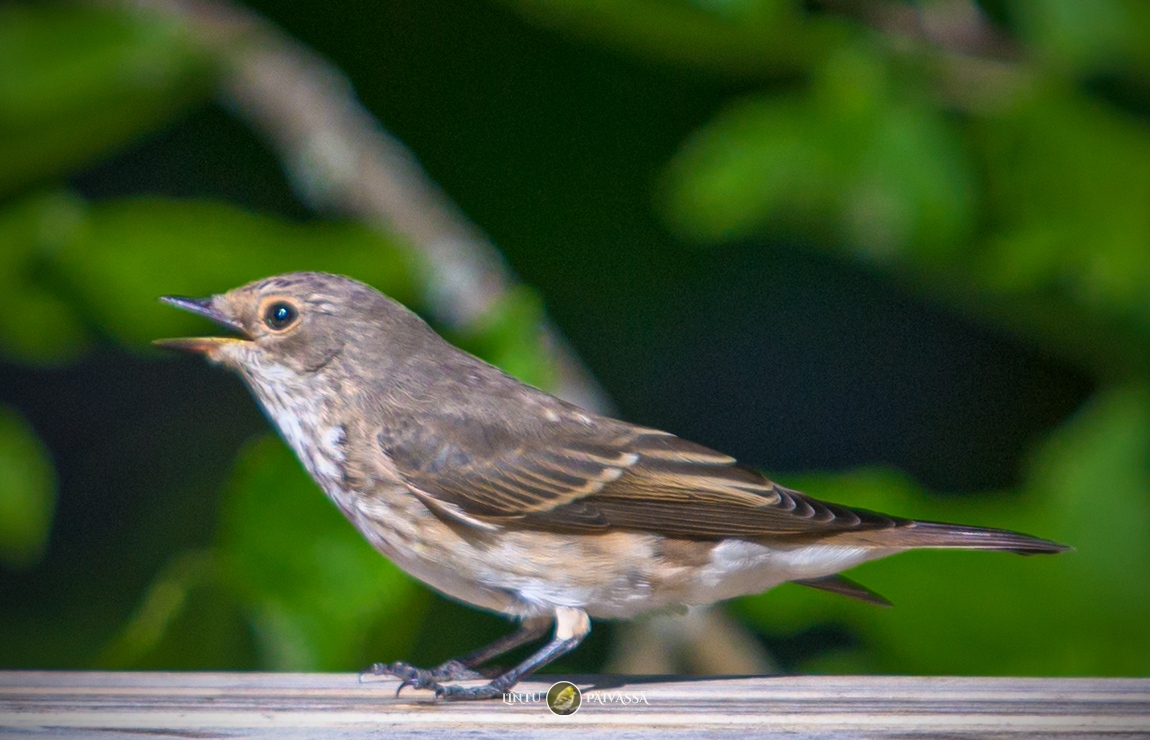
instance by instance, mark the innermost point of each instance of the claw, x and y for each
(421, 678)
(419, 682)
(375, 669)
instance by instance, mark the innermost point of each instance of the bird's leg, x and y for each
(571, 626)
(530, 630)
(460, 668)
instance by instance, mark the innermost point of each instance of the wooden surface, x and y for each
(110, 705)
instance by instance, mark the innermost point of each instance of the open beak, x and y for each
(202, 345)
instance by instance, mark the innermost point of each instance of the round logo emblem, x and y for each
(564, 698)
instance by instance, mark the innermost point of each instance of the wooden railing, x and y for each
(106, 705)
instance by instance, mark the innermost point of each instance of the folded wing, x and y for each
(588, 474)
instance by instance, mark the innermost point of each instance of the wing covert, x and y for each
(591, 474)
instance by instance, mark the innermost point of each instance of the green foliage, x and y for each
(39, 325)
(78, 81)
(856, 160)
(1067, 177)
(1026, 209)
(27, 493)
(166, 601)
(1084, 37)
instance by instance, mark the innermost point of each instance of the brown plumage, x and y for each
(490, 490)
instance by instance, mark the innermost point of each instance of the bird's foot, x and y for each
(421, 679)
(451, 670)
(429, 679)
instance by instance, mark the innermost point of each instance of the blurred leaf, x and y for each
(858, 159)
(1063, 255)
(37, 325)
(27, 492)
(1080, 613)
(78, 80)
(744, 37)
(1069, 180)
(314, 589)
(1085, 36)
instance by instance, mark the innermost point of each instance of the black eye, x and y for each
(280, 315)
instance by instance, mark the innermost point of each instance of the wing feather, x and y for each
(592, 474)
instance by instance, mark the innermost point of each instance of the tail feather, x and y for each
(937, 534)
(840, 584)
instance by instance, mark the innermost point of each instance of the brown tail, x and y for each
(937, 534)
(908, 534)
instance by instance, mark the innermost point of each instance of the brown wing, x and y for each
(579, 473)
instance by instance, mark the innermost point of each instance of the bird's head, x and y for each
(291, 327)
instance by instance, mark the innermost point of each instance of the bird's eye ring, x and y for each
(280, 315)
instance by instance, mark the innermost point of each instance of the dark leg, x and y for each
(460, 668)
(503, 682)
(529, 631)
(571, 626)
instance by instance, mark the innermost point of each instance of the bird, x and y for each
(507, 498)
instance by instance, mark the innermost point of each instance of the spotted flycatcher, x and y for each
(488, 490)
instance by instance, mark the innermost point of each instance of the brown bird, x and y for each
(507, 498)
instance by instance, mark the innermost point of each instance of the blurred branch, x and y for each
(955, 26)
(978, 66)
(664, 644)
(340, 159)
